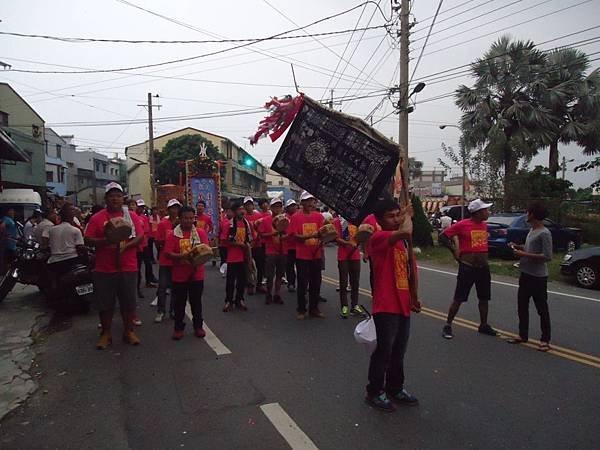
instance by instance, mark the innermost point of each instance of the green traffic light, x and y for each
(248, 162)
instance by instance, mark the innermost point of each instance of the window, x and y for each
(269, 183)
(280, 182)
(49, 176)
(97, 166)
(103, 168)
(61, 174)
(3, 119)
(58, 151)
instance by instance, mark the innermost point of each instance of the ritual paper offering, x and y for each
(339, 159)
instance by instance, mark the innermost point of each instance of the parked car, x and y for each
(454, 212)
(584, 266)
(513, 227)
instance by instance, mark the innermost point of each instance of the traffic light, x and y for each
(249, 162)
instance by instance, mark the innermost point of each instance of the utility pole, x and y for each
(151, 147)
(564, 166)
(331, 100)
(464, 181)
(403, 86)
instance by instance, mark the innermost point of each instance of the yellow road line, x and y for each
(556, 350)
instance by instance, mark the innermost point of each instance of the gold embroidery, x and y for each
(240, 235)
(401, 268)
(478, 238)
(310, 228)
(185, 245)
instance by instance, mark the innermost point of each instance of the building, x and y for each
(26, 129)
(243, 174)
(56, 166)
(280, 186)
(428, 183)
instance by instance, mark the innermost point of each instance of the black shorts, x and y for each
(467, 276)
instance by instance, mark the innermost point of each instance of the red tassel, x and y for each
(282, 114)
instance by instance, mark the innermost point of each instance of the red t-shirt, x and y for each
(106, 259)
(302, 223)
(251, 218)
(183, 271)
(345, 252)
(154, 221)
(390, 265)
(371, 220)
(290, 242)
(205, 222)
(472, 236)
(165, 227)
(234, 254)
(147, 230)
(274, 245)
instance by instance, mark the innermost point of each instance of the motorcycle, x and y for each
(28, 267)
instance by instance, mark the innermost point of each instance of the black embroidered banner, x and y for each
(338, 158)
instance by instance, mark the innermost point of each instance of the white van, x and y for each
(24, 202)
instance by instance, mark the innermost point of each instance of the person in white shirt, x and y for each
(31, 223)
(48, 221)
(445, 221)
(65, 241)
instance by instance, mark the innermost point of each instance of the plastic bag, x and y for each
(223, 269)
(366, 335)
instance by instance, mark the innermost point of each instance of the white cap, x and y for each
(276, 200)
(248, 199)
(477, 205)
(173, 202)
(140, 202)
(305, 196)
(290, 202)
(113, 185)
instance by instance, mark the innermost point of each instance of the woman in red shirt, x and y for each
(348, 266)
(275, 252)
(188, 281)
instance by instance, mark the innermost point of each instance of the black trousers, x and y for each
(349, 269)
(309, 280)
(386, 370)
(222, 255)
(145, 257)
(290, 270)
(236, 281)
(182, 292)
(259, 256)
(536, 288)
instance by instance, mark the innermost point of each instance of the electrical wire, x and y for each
(426, 39)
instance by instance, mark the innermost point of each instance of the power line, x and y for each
(451, 9)
(205, 41)
(426, 39)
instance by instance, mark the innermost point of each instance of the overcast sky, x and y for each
(245, 78)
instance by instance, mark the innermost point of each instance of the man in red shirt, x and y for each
(146, 257)
(304, 227)
(391, 306)
(115, 266)
(236, 235)
(165, 227)
(258, 251)
(275, 252)
(348, 266)
(468, 242)
(188, 281)
(154, 221)
(203, 221)
(291, 207)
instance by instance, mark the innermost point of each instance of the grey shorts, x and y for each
(110, 286)
(275, 266)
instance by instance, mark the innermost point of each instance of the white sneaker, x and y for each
(154, 302)
(168, 291)
(159, 317)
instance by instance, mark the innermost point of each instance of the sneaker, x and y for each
(300, 316)
(177, 335)
(136, 321)
(322, 299)
(159, 317)
(104, 341)
(227, 307)
(140, 294)
(338, 289)
(487, 329)
(284, 280)
(131, 338)
(277, 299)
(403, 398)
(200, 333)
(345, 312)
(154, 302)
(381, 402)
(268, 299)
(316, 314)
(447, 332)
(358, 311)
(291, 288)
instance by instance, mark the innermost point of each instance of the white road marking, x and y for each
(211, 339)
(293, 435)
(515, 285)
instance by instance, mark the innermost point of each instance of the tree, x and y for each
(180, 149)
(539, 183)
(592, 164)
(415, 168)
(574, 101)
(421, 227)
(501, 112)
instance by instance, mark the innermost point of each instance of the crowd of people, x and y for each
(282, 244)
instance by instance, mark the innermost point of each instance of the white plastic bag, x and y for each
(365, 334)
(223, 269)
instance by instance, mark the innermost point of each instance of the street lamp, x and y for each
(464, 173)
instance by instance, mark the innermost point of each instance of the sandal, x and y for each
(516, 340)
(544, 347)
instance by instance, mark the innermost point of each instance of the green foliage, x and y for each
(592, 164)
(421, 227)
(180, 149)
(414, 168)
(538, 184)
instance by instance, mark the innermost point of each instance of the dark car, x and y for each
(513, 227)
(454, 213)
(584, 266)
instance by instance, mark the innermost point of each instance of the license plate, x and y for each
(84, 289)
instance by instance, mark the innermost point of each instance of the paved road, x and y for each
(306, 379)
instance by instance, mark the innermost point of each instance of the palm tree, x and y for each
(502, 112)
(574, 100)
